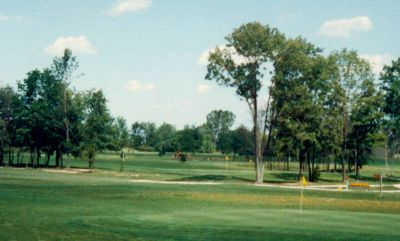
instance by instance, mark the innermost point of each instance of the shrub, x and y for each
(183, 157)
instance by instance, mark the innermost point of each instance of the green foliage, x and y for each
(189, 139)
(391, 88)
(97, 129)
(219, 122)
(143, 133)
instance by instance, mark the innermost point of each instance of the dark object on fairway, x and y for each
(183, 157)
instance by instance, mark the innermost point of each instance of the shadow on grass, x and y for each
(373, 179)
(214, 178)
(283, 177)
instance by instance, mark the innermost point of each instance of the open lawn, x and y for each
(108, 205)
(165, 168)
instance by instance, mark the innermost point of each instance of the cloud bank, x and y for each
(344, 28)
(126, 6)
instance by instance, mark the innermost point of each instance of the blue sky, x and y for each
(148, 55)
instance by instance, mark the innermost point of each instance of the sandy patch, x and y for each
(68, 171)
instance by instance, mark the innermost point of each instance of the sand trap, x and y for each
(68, 171)
(396, 186)
(174, 182)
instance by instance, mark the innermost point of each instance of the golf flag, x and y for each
(303, 181)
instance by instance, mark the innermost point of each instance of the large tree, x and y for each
(241, 64)
(63, 69)
(352, 72)
(366, 121)
(7, 116)
(391, 86)
(97, 127)
(301, 86)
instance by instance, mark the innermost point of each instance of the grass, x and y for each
(105, 205)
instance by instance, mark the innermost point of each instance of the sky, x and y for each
(150, 56)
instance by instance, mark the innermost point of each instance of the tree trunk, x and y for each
(1, 156)
(37, 157)
(309, 167)
(356, 165)
(48, 159)
(301, 163)
(58, 158)
(259, 162)
(343, 170)
(32, 158)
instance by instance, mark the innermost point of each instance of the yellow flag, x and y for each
(303, 181)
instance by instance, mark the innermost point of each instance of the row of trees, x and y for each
(320, 107)
(45, 116)
(206, 138)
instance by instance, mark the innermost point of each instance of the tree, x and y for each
(219, 122)
(241, 65)
(63, 69)
(207, 144)
(143, 133)
(352, 71)
(165, 136)
(391, 87)
(366, 121)
(121, 134)
(7, 116)
(189, 139)
(301, 85)
(242, 141)
(97, 127)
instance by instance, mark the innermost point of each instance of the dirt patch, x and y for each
(68, 171)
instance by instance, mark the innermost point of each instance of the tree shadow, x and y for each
(373, 179)
(283, 177)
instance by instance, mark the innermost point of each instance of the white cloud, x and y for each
(203, 88)
(78, 45)
(345, 27)
(238, 59)
(135, 85)
(4, 18)
(126, 6)
(377, 61)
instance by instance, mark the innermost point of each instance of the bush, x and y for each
(183, 157)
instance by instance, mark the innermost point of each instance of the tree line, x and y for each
(46, 118)
(320, 108)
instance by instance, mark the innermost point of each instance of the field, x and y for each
(109, 205)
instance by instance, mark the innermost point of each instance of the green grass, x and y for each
(106, 205)
(36, 205)
(165, 168)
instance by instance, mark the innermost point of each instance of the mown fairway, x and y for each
(106, 205)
